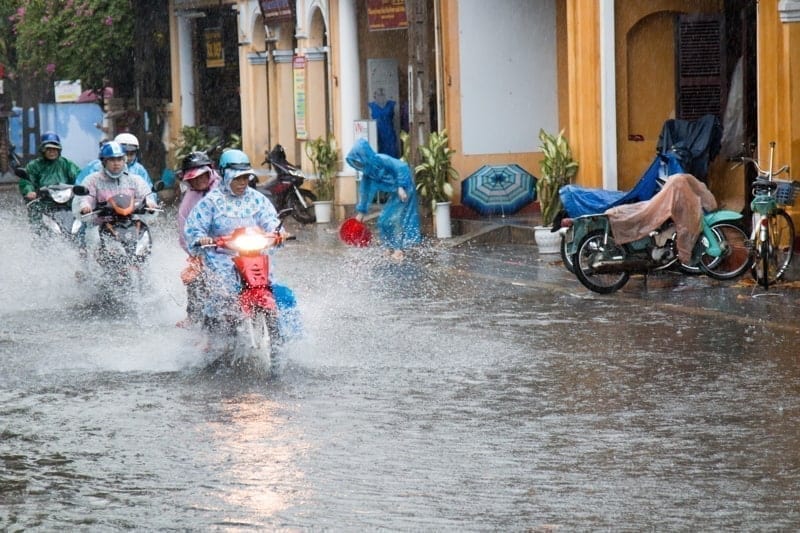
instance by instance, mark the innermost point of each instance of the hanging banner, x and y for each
(277, 10)
(386, 15)
(299, 71)
(215, 56)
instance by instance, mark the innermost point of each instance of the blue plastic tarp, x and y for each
(579, 201)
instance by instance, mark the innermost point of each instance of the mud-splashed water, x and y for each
(423, 396)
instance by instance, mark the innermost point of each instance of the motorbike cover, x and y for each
(683, 200)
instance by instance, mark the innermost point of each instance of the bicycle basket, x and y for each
(785, 193)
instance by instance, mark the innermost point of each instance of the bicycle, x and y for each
(773, 233)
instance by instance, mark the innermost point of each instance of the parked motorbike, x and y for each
(604, 266)
(125, 242)
(285, 191)
(255, 333)
(54, 203)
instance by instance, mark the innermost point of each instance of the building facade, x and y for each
(607, 72)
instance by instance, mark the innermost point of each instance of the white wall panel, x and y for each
(508, 74)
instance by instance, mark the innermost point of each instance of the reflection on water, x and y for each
(420, 398)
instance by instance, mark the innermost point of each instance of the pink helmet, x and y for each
(192, 173)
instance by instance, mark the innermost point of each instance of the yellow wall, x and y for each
(779, 89)
(645, 77)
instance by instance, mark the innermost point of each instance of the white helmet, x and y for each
(128, 141)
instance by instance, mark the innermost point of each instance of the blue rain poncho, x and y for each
(398, 223)
(217, 214)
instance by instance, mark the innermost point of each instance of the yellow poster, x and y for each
(215, 54)
(299, 69)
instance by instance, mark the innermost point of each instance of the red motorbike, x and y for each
(255, 333)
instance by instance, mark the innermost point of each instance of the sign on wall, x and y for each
(299, 71)
(67, 91)
(215, 54)
(276, 10)
(386, 15)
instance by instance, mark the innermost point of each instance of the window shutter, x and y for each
(700, 63)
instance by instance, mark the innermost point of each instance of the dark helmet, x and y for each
(49, 140)
(194, 160)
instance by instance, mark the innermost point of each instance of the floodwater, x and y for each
(421, 397)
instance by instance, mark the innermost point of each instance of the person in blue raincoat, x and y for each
(232, 204)
(130, 144)
(398, 223)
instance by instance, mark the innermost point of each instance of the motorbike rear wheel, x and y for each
(304, 215)
(593, 247)
(736, 258)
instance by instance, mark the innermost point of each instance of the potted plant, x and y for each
(324, 157)
(558, 169)
(433, 176)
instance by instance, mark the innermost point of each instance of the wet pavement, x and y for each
(476, 386)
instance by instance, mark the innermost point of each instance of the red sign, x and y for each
(277, 10)
(386, 15)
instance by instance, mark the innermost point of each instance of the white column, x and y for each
(349, 76)
(608, 95)
(185, 61)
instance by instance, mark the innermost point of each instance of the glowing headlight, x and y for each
(251, 242)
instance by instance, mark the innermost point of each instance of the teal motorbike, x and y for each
(602, 265)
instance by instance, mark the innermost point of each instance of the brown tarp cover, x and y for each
(682, 200)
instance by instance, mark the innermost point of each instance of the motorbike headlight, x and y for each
(251, 242)
(61, 196)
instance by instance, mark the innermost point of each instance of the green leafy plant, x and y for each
(324, 157)
(558, 169)
(87, 40)
(197, 139)
(435, 172)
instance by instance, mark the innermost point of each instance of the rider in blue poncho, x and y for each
(398, 223)
(230, 205)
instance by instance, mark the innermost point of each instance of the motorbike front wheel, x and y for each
(735, 259)
(262, 329)
(304, 215)
(593, 248)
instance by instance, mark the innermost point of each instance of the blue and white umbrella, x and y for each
(498, 189)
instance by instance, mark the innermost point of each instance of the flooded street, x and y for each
(423, 396)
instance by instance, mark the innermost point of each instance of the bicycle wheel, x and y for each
(592, 249)
(774, 255)
(735, 259)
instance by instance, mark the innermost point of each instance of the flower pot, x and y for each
(442, 220)
(548, 242)
(323, 209)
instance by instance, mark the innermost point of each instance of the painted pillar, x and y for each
(186, 70)
(584, 128)
(347, 91)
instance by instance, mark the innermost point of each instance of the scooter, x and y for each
(604, 266)
(125, 241)
(284, 190)
(255, 332)
(54, 203)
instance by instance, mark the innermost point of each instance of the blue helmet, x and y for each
(232, 164)
(49, 140)
(235, 159)
(111, 149)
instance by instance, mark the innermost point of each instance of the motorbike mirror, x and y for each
(158, 186)
(21, 173)
(80, 190)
